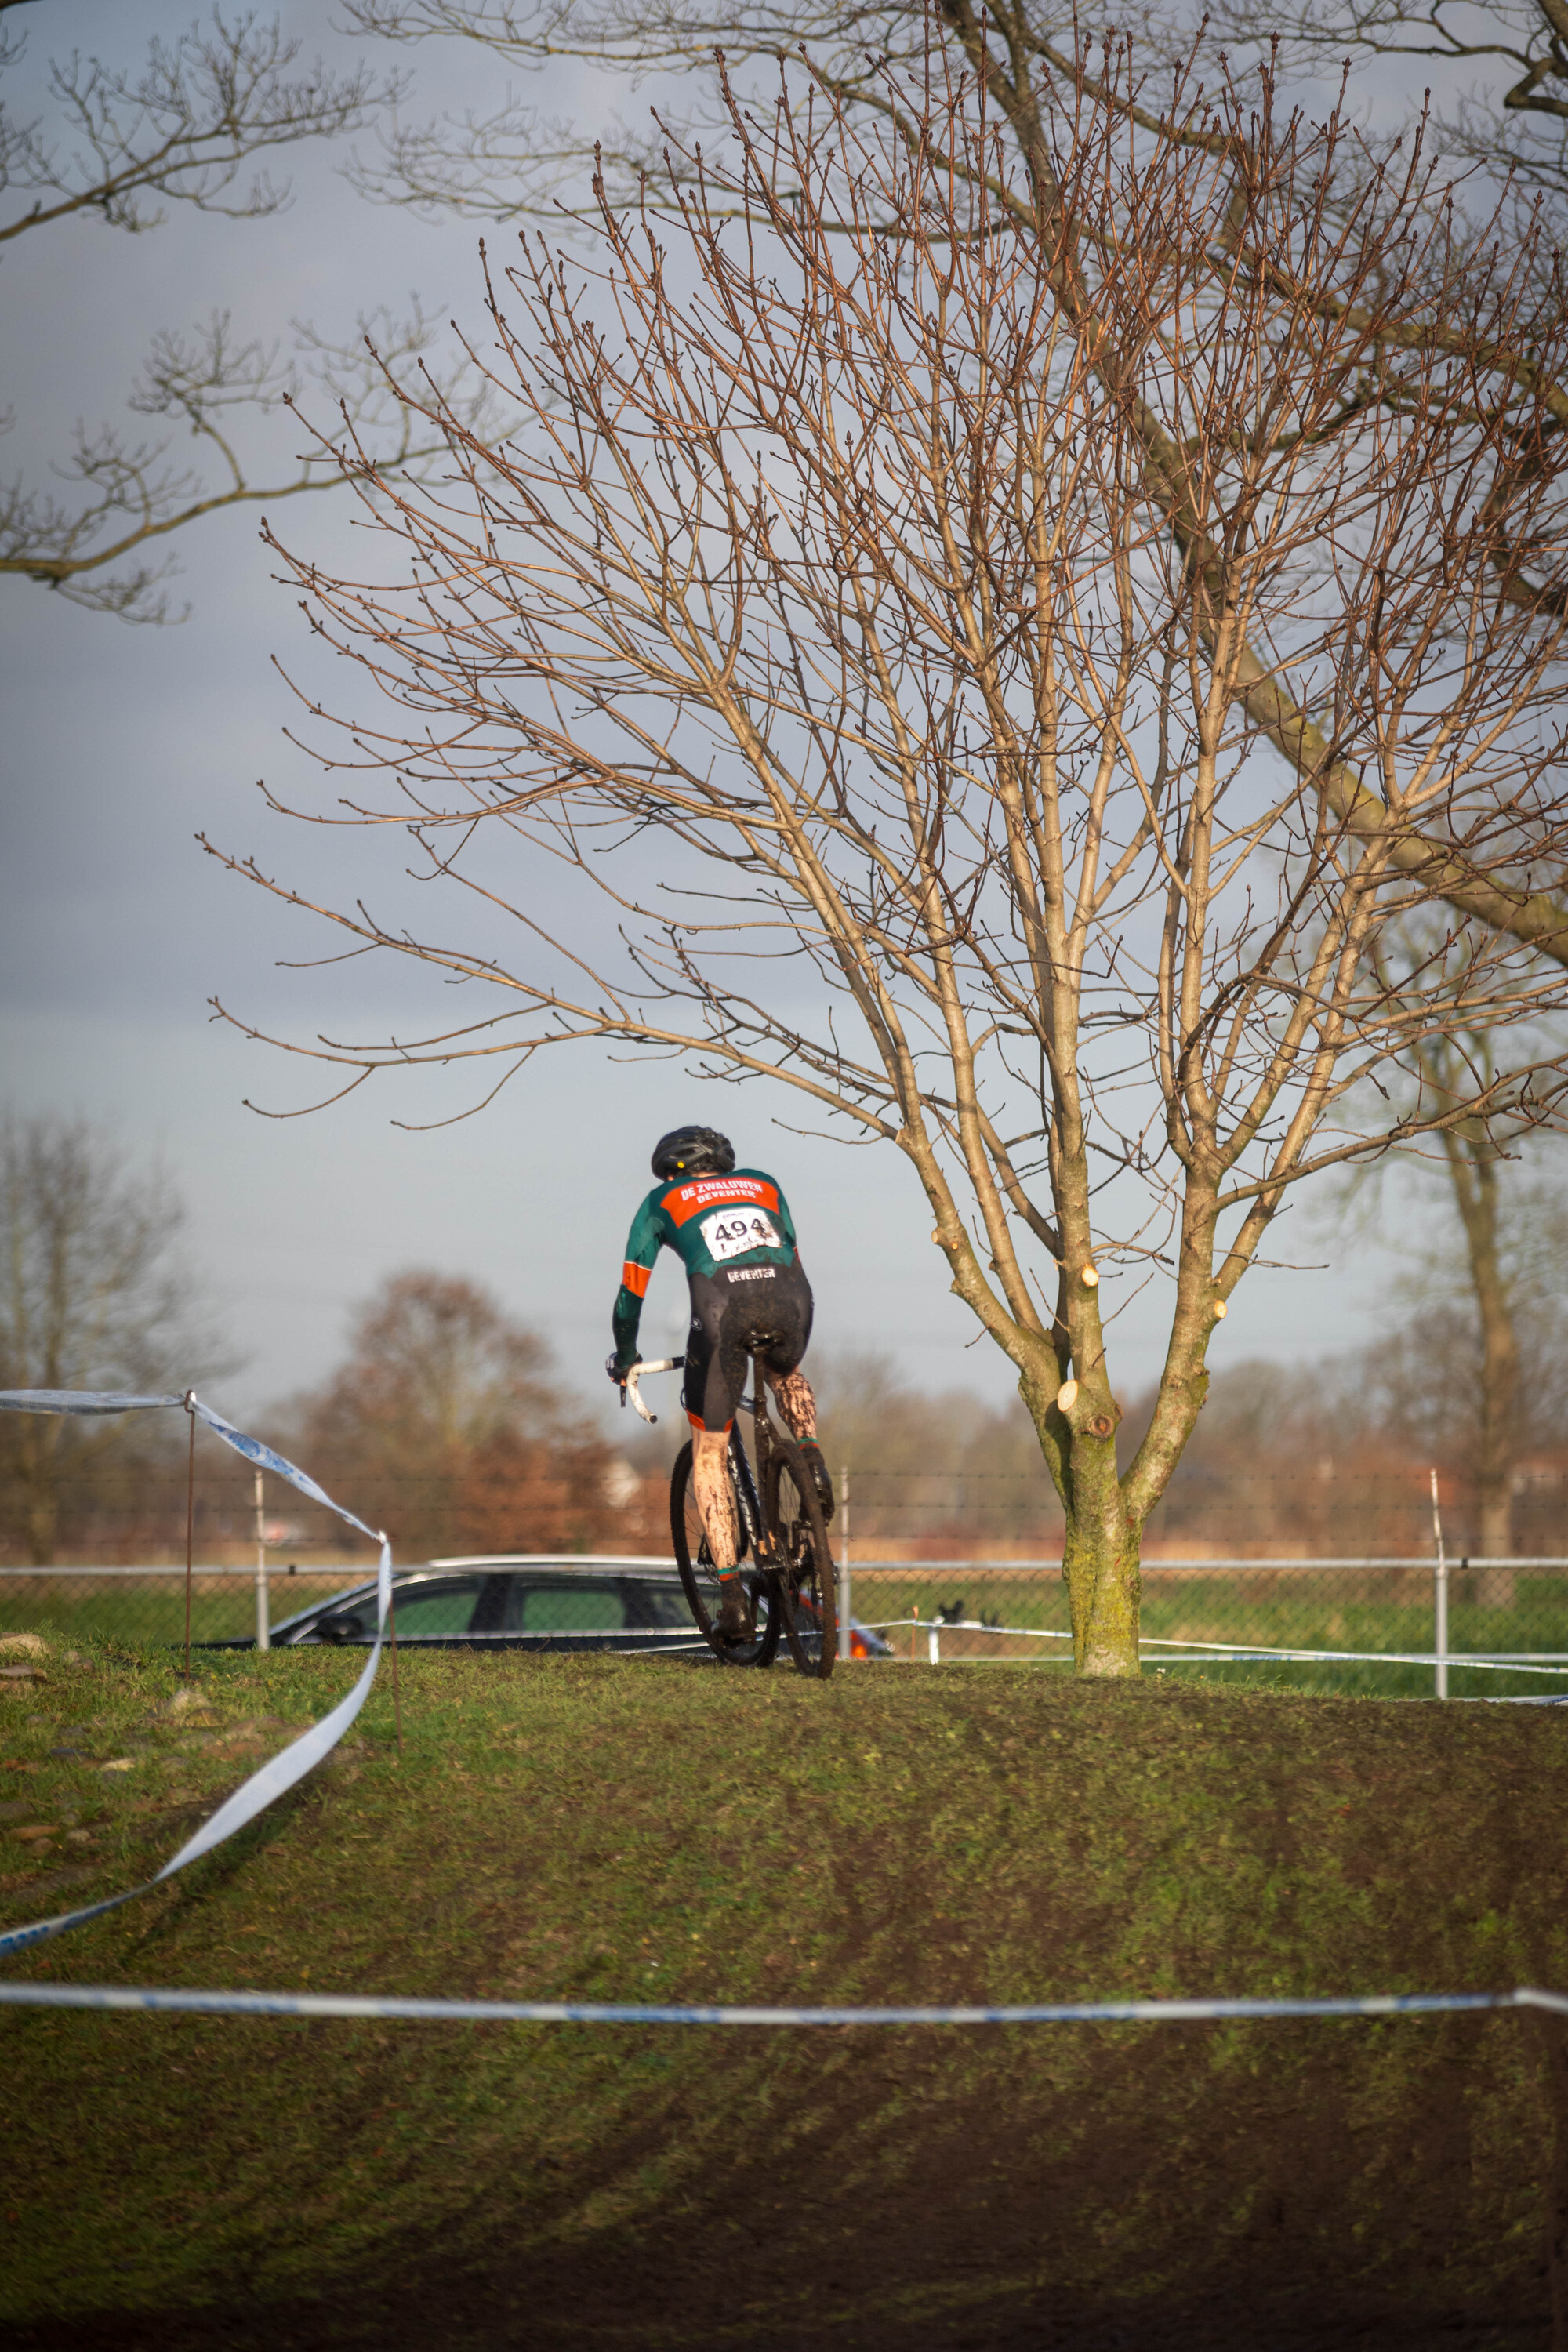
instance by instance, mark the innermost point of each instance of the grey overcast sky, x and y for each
(120, 744)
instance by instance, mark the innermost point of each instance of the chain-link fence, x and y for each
(1357, 1618)
(1395, 1627)
(145, 1607)
(954, 1551)
(1230, 1503)
(591, 1601)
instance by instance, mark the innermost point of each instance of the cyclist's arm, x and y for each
(643, 1244)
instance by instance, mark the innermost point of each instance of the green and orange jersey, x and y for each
(710, 1221)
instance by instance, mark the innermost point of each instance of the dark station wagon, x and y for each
(511, 1603)
(520, 1601)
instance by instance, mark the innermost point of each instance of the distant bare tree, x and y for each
(94, 1295)
(1472, 1365)
(829, 576)
(1472, 1280)
(444, 1417)
(1334, 1458)
(1474, 1156)
(931, 1470)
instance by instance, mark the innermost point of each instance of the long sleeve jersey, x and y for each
(709, 1221)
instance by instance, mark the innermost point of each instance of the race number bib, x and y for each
(731, 1233)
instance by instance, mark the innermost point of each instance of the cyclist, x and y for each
(732, 1229)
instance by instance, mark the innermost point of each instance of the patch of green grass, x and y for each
(636, 1830)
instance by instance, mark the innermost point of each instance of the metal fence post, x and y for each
(263, 1631)
(844, 1584)
(1439, 1598)
(934, 1643)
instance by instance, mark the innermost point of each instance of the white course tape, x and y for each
(253, 1796)
(91, 1402)
(1213, 1653)
(613, 2013)
(79, 1401)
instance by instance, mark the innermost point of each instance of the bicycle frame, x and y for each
(753, 1535)
(781, 1569)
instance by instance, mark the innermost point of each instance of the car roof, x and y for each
(581, 1563)
(514, 1563)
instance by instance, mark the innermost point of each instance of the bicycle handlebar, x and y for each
(629, 1385)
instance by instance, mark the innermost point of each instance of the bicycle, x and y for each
(790, 1585)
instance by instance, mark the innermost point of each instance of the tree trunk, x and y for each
(1498, 1433)
(1473, 1166)
(1101, 1539)
(1100, 1569)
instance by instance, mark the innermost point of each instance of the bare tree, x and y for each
(1476, 1301)
(930, 1471)
(1473, 1374)
(504, 164)
(444, 1415)
(191, 126)
(830, 571)
(95, 1296)
(1494, 88)
(1473, 1155)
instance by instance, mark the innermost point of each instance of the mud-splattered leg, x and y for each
(797, 1405)
(715, 1498)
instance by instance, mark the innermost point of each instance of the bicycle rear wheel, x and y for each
(808, 1600)
(700, 1580)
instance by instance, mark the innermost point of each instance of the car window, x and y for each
(435, 1609)
(568, 1607)
(346, 1625)
(664, 1605)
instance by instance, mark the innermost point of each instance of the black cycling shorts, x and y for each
(741, 1311)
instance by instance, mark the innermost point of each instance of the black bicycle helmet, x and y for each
(693, 1151)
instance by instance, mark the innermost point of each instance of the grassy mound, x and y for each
(609, 1830)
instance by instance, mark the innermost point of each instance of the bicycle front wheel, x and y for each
(700, 1580)
(802, 1562)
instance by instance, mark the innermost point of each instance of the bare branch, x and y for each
(182, 129)
(101, 549)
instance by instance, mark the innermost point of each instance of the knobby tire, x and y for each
(804, 1562)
